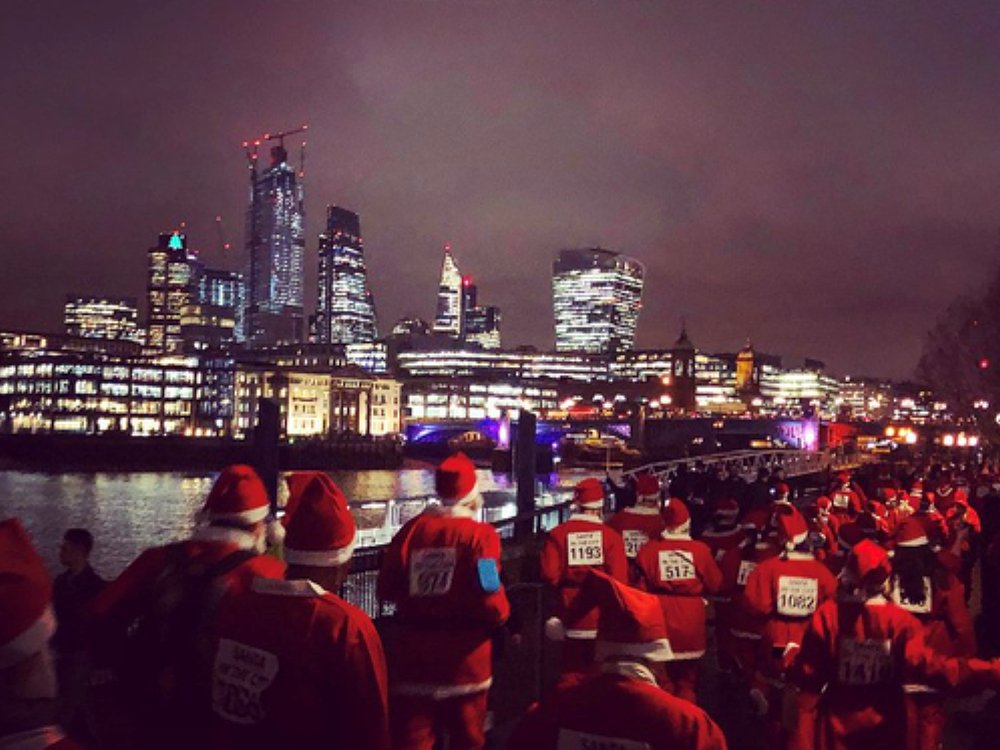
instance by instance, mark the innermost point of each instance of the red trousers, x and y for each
(925, 720)
(418, 722)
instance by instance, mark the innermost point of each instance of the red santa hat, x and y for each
(238, 495)
(756, 519)
(321, 530)
(26, 619)
(589, 494)
(630, 622)
(916, 489)
(869, 563)
(455, 479)
(911, 533)
(782, 490)
(676, 517)
(877, 509)
(888, 494)
(824, 504)
(726, 509)
(843, 477)
(647, 486)
(792, 527)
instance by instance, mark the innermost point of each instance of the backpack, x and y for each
(165, 664)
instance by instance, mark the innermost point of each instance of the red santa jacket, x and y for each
(572, 548)
(785, 591)
(680, 571)
(442, 570)
(637, 525)
(294, 667)
(720, 541)
(624, 711)
(128, 596)
(845, 502)
(737, 566)
(857, 656)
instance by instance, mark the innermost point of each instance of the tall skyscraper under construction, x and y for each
(597, 296)
(345, 308)
(275, 248)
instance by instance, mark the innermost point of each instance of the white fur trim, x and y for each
(643, 510)
(679, 532)
(920, 541)
(239, 537)
(580, 634)
(685, 655)
(30, 641)
(554, 629)
(585, 517)
(595, 505)
(793, 555)
(439, 692)
(658, 650)
(451, 503)
(634, 670)
(280, 587)
(253, 515)
(320, 558)
(34, 739)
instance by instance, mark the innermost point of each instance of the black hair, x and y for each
(911, 565)
(81, 538)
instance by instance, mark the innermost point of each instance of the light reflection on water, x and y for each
(129, 512)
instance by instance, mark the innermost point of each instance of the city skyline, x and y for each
(793, 191)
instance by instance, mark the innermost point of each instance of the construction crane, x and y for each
(280, 137)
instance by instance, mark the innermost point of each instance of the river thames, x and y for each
(128, 512)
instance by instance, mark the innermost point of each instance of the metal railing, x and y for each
(748, 463)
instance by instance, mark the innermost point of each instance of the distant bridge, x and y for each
(546, 432)
(748, 463)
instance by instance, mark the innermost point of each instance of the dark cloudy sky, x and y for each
(820, 176)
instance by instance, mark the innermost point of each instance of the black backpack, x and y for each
(165, 665)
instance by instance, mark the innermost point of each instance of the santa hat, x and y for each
(647, 486)
(869, 563)
(589, 494)
(849, 534)
(888, 494)
(630, 622)
(321, 529)
(726, 510)
(756, 519)
(916, 489)
(455, 479)
(792, 527)
(782, 490)
(876, 508)
(676, 517)
(824, 504)
(238, 495)
(911, 533)
(843, 477)
(26, 619)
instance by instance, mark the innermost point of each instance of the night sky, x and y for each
(822, 177)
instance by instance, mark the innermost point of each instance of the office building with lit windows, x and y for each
(113, 318)
(276, 253)
(226, 292)
(596, 295)
(482, 326)
(171, 274)
(345, 308)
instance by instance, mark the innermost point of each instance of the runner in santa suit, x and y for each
(28, 686)
(925, 587)
(737, 629)
(724, 532)
(848, 534)
(640, 522)
(782, 496)
(294, 660)
(845, 499)
(964, 531)
(442, 570)
(858, 652)
(582, 543)
(236, 510)
(783, 592)
(822, 539)
(680, 571)
(619, 705)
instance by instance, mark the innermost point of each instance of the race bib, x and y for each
(634, 541)
(797, 597)
(676, 565)
(867, 662)
(432, 571)
(746, 568)
(841, 500)
(584, 548)
(570, 740)
(240, 676)
(917, 608)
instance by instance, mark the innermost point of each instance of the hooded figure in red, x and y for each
(619, 703)
(858, 652)
(641, 522)
(442, 570)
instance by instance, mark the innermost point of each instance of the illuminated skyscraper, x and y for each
(276, 250)
(224, 289)
(597, 296)
(448, 319)
(102, 318)
(345, 309)
(169, 288)
(482, 326)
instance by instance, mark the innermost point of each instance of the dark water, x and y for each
(127, 513)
